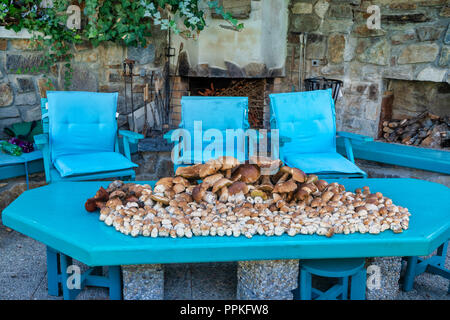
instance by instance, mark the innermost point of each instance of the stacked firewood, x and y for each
(225, 198)
(425, 130)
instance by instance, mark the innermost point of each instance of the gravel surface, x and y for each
(23, 276)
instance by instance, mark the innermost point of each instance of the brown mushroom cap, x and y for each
(268, 165)
(296, 174)
(211, 180)
(101, 195)
(160, 199)
(178, 188)
(228, 162)
(90, 205)
(237, 187)
(311, 178)
(285, 187)
(190, 172)
(208, 169)
(198, 193)
(249, 173)
(266, 184)
(180, 180)
(224, 182)
(167, 182)
(117, 194)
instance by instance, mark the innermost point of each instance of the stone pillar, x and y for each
(390, 268)
(267, 280)
(143, 282)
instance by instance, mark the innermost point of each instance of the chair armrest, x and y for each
(131, 136)
(168, 135)
(41, 140)
(353, 136)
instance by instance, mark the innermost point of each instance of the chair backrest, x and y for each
(81, 122)
(220, 113)
(215, 112)
(307, 118)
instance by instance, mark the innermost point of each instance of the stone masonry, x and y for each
(95, 69)
(412, 44)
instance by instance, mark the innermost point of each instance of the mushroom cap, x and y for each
(211, 180)
(285, 187)
(178, 188)
(237, 187)
(224, 182)
(160, 199)
(208, 169)
(266, 163)
(90, 205)
(114, 202)
(296, 174)
(188, 172)
(312, 178)
(117, 194)
(166, 182)
(180, 180)
(228, 162)
(101, 195)
(198, 193)
(250, 173)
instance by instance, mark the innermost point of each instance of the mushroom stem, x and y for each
(283, 178)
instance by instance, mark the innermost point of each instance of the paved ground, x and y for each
(23, 276)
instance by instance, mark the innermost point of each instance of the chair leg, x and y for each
(305, 285)
(53, 270)
(410, 274)
(358, 286)
(344, 283)
(115, 283)
(442, 254)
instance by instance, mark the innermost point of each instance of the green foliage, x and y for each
(124, 22)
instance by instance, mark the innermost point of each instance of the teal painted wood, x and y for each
(343, 269)
(125, 144)
(435, 265)
(401, 155)
(57, 275)
(55, 215)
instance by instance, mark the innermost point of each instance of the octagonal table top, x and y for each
(55, 215)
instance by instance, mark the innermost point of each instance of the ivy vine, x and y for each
(125, 22)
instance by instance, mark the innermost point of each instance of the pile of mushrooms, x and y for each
(224, 197)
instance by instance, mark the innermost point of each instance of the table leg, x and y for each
(358, 286)
(115, 282)
(53, 271)
(267, 279)
(410, 274)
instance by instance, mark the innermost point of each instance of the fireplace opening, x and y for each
(416, 113)
(254, 89)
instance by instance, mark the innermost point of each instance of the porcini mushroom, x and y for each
(190, 172)
(285, 187)
(249, 173)
(236, 187)
(224, 182)
(228, 164)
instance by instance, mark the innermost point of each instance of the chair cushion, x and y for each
(81, 122)
(308, 118)
(215, 112)
(321, 163)
(88, 163)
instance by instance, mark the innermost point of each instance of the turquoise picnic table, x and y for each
(55, 216)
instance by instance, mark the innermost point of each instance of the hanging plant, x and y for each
(125, 22)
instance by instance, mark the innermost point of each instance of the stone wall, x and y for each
(95, 69)
(413, 44)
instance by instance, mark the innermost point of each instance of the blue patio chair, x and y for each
(307, 129)
(198, 115)
(80, 140)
